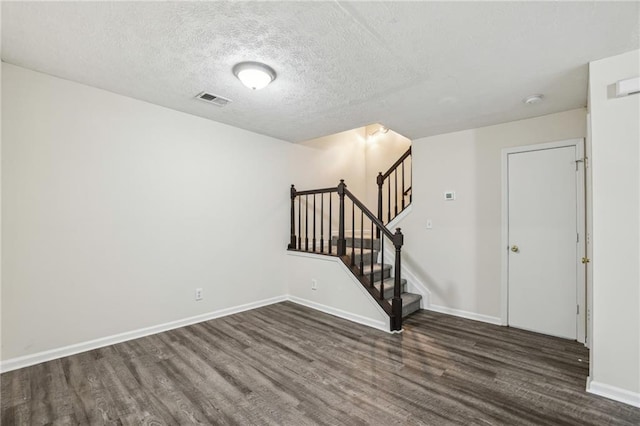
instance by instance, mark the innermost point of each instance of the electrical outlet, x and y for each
(198, 294)
(314, 284)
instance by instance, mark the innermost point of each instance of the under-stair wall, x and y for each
(336, 292)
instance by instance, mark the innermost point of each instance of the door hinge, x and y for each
(584, 160)
(577, 237)
(577, 309)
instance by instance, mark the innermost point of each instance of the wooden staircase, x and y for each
(317, 213)
(380, 272)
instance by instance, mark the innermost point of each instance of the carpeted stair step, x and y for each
(389, 284)
(366, 256)
(366, 242)
(383, 271)
(410, 303)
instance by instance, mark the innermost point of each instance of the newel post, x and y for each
(292, 243)
(342, 243)
(379, 181)
(396, 306)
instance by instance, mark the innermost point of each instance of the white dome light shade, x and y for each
(254, 75)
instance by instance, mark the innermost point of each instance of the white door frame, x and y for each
(580, 211)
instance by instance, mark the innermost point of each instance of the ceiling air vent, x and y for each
(213, 99)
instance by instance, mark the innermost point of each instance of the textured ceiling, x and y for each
(419, 68)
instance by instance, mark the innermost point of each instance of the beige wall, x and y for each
(357, 156)
(339, 156)
(459, 260)
(381, 151)
(615, 135)
(115, 210)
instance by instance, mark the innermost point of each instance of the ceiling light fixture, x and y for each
(533, 99)
(254, 75)
(382, 130)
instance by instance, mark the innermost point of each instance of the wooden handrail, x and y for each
(377, 222)
(396, 164)
(317, 191)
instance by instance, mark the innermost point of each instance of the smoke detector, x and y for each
(213, 99)
(533, 99)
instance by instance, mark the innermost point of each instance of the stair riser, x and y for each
(377, 275)
(388, 292)
(366, 243)
(410, 308)
(366, 257)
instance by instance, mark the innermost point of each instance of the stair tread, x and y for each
(408, 298)
(376, 268)
(390, 282)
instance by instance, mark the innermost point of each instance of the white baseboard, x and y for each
(465, 314)
(613, 392)
(37, 358)
(380, 325)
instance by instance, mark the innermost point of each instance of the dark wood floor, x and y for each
(288, 365)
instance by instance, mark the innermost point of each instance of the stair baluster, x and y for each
(330, 213)
(371, 262)
(353, 233)
(389, 201)
(322, 222)
(313, 235)
(395, 185)
(382, 268)
(299, 223)
(403, 194)
(362, 242)
(306, 222)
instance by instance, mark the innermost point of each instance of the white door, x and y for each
(543, 241)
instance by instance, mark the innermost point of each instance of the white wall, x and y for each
(615, 135)
(459, 260)
(115, 210)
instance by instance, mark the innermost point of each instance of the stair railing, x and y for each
(308, 208)
(401, 192)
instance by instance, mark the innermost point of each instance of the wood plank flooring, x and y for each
(285, 364)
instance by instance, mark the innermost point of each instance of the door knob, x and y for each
(515, 249)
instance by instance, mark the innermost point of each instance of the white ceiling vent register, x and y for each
(213, 99)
